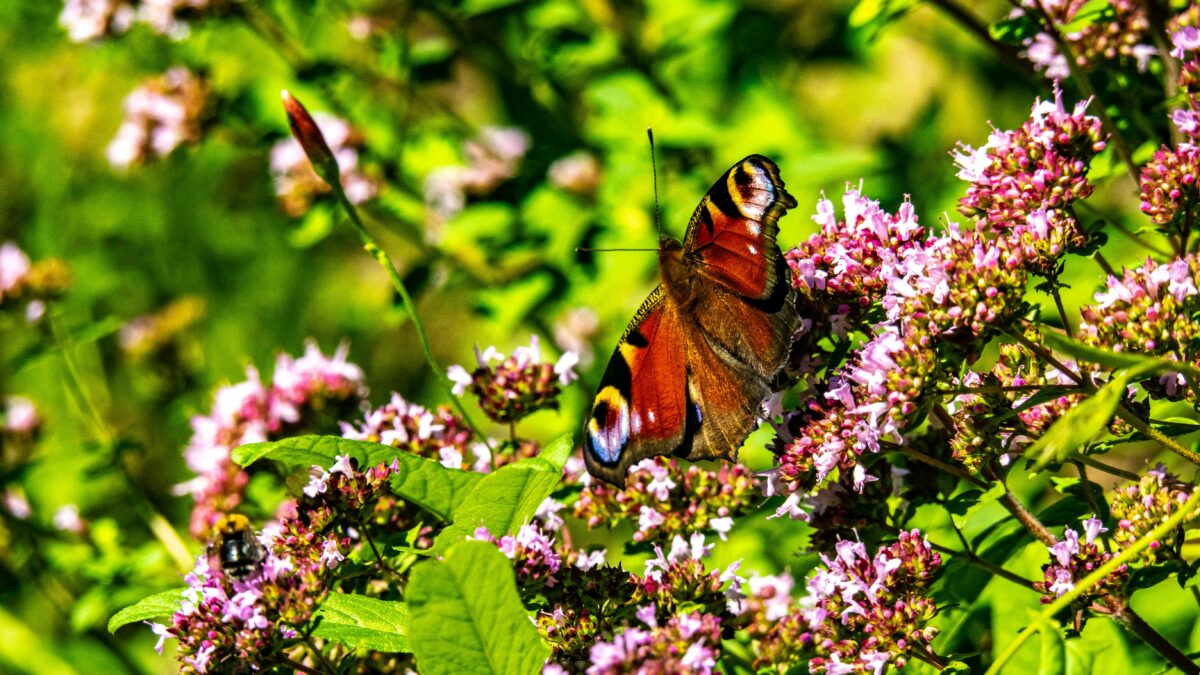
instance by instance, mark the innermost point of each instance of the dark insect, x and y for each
(234, 550)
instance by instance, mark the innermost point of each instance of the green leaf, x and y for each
(1141, 364)
(558, 451)
(159, 604)
(468, 618)
(1052, 658)
(502, 502)
(421, 481)
(874, 14)
(994, 492)
(1014, 31)
(364, 623)
(1091, 12)
(1080, 425)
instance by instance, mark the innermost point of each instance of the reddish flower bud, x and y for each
(305, 129)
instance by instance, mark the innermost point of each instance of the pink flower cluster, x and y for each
(87, 20)
(493, 157)
(1142, 506)
(433, 434)
(1149, 310)
(1025, 181)
(161, 115)
(517, 385)
(685, 643)
(26, 286)
(224, 621)
(250, 411)
(1121, 34)
(1072, 560)
(839, 272)
(667, 499)
(297, 185)
(863, 611)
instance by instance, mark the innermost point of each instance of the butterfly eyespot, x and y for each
(608, 427)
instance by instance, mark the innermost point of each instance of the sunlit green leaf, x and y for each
(468, 618)
(161, 604)
(424, 482)
(364, 623)
(502, 501)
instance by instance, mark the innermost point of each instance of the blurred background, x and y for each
(486, 140)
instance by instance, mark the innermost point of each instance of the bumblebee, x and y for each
(234, 550)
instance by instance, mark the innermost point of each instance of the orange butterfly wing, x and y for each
(628, 422)
(696, 363)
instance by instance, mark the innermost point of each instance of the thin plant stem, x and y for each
(158, 525)
(1138, 626)
(936, 463)
(1092, 580)
(1014, 506)
(973, 559)
(977, 28)
(385, 261)
(1108, 468)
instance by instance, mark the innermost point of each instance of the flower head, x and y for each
(517, 385)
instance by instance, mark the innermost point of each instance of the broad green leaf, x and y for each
(1052, 659)
(502, 501)
(558, 451)
(993, 493)
(468, 618)
(1080, 425)
(364, 623)
(421, 481)
(1142, 364)
(159, 604)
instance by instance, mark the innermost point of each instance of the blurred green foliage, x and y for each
(831, 95)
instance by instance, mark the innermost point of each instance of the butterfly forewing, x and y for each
(732, 232)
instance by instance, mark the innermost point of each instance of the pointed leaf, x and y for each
(1079, 425)
(421, 481)
(558, 451)
(468, 618)
(1142, 364)
(364, 623)
(159, 604)
(502, 502)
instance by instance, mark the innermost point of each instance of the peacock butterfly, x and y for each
(694, 366)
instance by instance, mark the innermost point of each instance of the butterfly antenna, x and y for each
(654, 172)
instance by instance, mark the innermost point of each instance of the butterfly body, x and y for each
(694, 365)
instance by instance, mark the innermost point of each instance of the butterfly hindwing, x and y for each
(732, 232)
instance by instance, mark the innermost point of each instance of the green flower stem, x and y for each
(385, 261)
(155, 521)
(1092, 580)
(971, 558)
